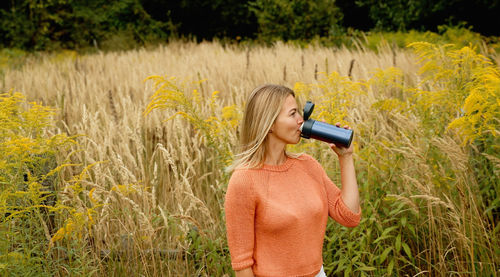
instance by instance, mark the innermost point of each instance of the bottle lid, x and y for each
(308, 109)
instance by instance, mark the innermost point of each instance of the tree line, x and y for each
(76, 24)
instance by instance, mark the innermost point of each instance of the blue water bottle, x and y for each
(324, 131)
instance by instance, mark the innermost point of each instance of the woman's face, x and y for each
(286, 128)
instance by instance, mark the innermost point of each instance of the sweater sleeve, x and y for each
(240, 207)
(336, 206)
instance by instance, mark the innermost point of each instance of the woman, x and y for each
(277, 203)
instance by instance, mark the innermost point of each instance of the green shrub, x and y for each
(295, 20)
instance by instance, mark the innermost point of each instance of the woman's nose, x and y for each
(301, 120)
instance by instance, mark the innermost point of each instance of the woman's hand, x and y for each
(339, 150)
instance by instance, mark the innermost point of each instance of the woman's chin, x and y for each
(295, 141)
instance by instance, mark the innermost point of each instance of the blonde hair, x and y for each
(262, 108)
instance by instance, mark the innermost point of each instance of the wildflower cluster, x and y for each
(30, 168)
(468, 89)
(216, 124)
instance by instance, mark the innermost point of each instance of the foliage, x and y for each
(472, 81)
(11, 58)
(298, 19)
(209, 256)
(30, 209)
(457, 35)
(221, 18)
(118, 25)
(467, 98)
(397, 15)
(46, 25)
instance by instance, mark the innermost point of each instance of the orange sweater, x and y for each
(276, 217)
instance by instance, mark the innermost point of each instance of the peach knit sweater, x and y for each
(276, 217)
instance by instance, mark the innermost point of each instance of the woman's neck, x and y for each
(275, 155)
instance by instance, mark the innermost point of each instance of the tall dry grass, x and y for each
(158, 187)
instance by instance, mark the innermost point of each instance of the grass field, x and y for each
(119, 189)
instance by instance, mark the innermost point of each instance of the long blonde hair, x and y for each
(262, 108)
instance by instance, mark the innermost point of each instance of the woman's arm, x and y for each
(239, 206)
(247, 272)
(350, 192)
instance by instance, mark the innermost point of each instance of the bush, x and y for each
(48, 25)
(298, 19)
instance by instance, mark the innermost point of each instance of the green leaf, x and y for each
(347, 272)
(340, 267)
(382, 238)
(384, 254)
(390, 267)
(398, 243)
(397, 209)
(366, 268)
(412, 229)
(355, 259)
(407, 250)
(403, 221)
(388, 230)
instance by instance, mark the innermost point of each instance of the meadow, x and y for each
(118, 168)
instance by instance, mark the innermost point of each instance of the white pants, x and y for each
(321, 273)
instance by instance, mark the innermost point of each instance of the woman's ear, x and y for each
(271, 129)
